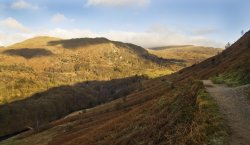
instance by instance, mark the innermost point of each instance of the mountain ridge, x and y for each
(189, 53)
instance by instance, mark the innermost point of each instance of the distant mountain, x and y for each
(169, 47)
(189, 53)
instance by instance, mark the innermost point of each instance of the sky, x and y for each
(148, 23)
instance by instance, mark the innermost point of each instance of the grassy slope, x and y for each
(190, 54)
(57, 102)
(212, 125)
(152, 116)
(23, 72)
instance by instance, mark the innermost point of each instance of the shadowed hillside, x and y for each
(57, 102)
(78, 43)
(157, 114)
(28, 53)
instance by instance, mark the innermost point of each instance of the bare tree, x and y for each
(228, 45)
(242, 32)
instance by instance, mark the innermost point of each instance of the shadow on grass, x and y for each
(79, 42)
(28, 53)
(44, 107)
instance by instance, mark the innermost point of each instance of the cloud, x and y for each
(8, 39)
(117, 2)
(155, 39)
(205, 31)
(146, 39)
(57, 18)
(22, 4)
(68, 33)
(13, 24)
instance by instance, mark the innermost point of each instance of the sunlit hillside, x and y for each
(41, 63)
(190, 54)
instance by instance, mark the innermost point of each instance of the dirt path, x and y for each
(234, 106)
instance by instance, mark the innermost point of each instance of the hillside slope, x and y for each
(156, 114)
(58, 102)
(161, 118)
(41, 63)
(64, 76)
(188, 53)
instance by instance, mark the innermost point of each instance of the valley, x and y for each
(151, 100)
(124, 72)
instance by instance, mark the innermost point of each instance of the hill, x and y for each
(41, 63)
(46, 72)
(188, 53)
(36, 42)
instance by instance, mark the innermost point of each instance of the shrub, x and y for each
(116, 69)
(230, 79)
(248, 93)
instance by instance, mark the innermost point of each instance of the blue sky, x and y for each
(147, 23)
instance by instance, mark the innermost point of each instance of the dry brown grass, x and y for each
(156, 115)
